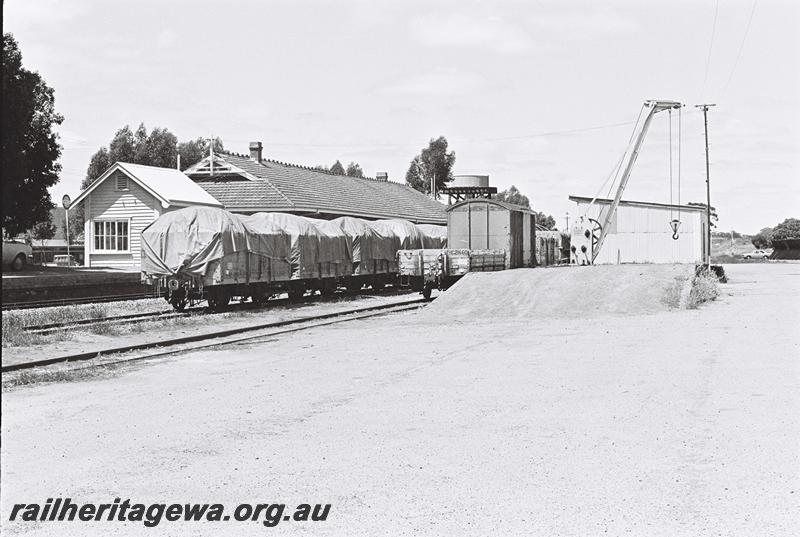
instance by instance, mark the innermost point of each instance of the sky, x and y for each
(537, 94)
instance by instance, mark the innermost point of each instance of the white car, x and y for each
(16, 254)
(756, 254)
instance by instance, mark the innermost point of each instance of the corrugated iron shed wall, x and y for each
(642, 234)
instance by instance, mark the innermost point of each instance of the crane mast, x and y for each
(653, 107)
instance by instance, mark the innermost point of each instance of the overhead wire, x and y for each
(454, 140)
(710, 48)
(741, 47)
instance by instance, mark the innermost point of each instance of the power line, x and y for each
(741, 47)
(710, 48)
(453, 140)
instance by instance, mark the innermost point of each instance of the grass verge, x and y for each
(704, 289)
(45, 376)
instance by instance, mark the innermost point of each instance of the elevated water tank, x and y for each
(470, 180)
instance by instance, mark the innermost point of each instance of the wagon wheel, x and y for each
(328, 288)
(426, 292)
(596, 231)
(296, 293)
(217, 300)
(179, 301)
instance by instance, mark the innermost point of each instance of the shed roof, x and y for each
(168, 185)
(630, 203)
(242, 184)
(503, 204)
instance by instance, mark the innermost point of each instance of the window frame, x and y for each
(117, 221)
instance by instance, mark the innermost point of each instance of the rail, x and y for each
(310, 322)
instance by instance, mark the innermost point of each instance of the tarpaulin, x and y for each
(433, 236)
(408, 236)
(333, 242)
(305, 249)
(187, 240)
(365, 242)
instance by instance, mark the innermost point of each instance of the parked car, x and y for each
(16, 254)
(756, 254)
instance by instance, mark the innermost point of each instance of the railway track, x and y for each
(225, 337)
(73, 301)
(169, 314)
(117, 320)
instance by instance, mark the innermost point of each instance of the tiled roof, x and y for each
(271, 185)
(246, 195)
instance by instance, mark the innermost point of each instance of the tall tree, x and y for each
(354, 170)
(337, 168)
(513, 195)
(100, 162)
(762, 239)
(29, 147)
(123, 146)
(788, 229)
(433, 162)
(194, 151)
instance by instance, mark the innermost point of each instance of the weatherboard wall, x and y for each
(106, 202)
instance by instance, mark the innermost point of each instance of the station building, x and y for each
(128, 197)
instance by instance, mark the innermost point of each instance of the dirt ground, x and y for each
(673, 423)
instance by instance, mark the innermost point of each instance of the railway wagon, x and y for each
(316, 256)
(202, 253)
(207, 253)
(482, 235)
(372, 250)
(427, 269)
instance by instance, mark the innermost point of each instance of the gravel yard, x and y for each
(681, 422)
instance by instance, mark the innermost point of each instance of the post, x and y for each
(567, 217)
(705, 108)
(211, 155)
(66, 231)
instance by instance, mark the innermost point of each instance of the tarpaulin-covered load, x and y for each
(336, 241)
(364, 242)
(433, 236)
(408, 236)
(308, 245)
(186, 241)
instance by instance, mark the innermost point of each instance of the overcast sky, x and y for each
(516, 87)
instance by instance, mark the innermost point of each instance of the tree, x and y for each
(337, 168)
(433, 162)
(44, 230)
(788, 229)
(194, 151)
(714, 216)
(762, 239)
(513, 195)
(354, 170)
(545, 220)
(29, 147)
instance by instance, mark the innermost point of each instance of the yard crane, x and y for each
(587, 235)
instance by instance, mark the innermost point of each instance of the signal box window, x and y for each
(111, 236)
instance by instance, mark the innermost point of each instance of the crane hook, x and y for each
(674, 224)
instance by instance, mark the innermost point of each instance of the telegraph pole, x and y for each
(705, 108)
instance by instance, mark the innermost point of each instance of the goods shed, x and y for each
(488, 224)
(640, 232)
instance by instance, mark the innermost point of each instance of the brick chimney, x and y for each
(256, 150)
(382, 176)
